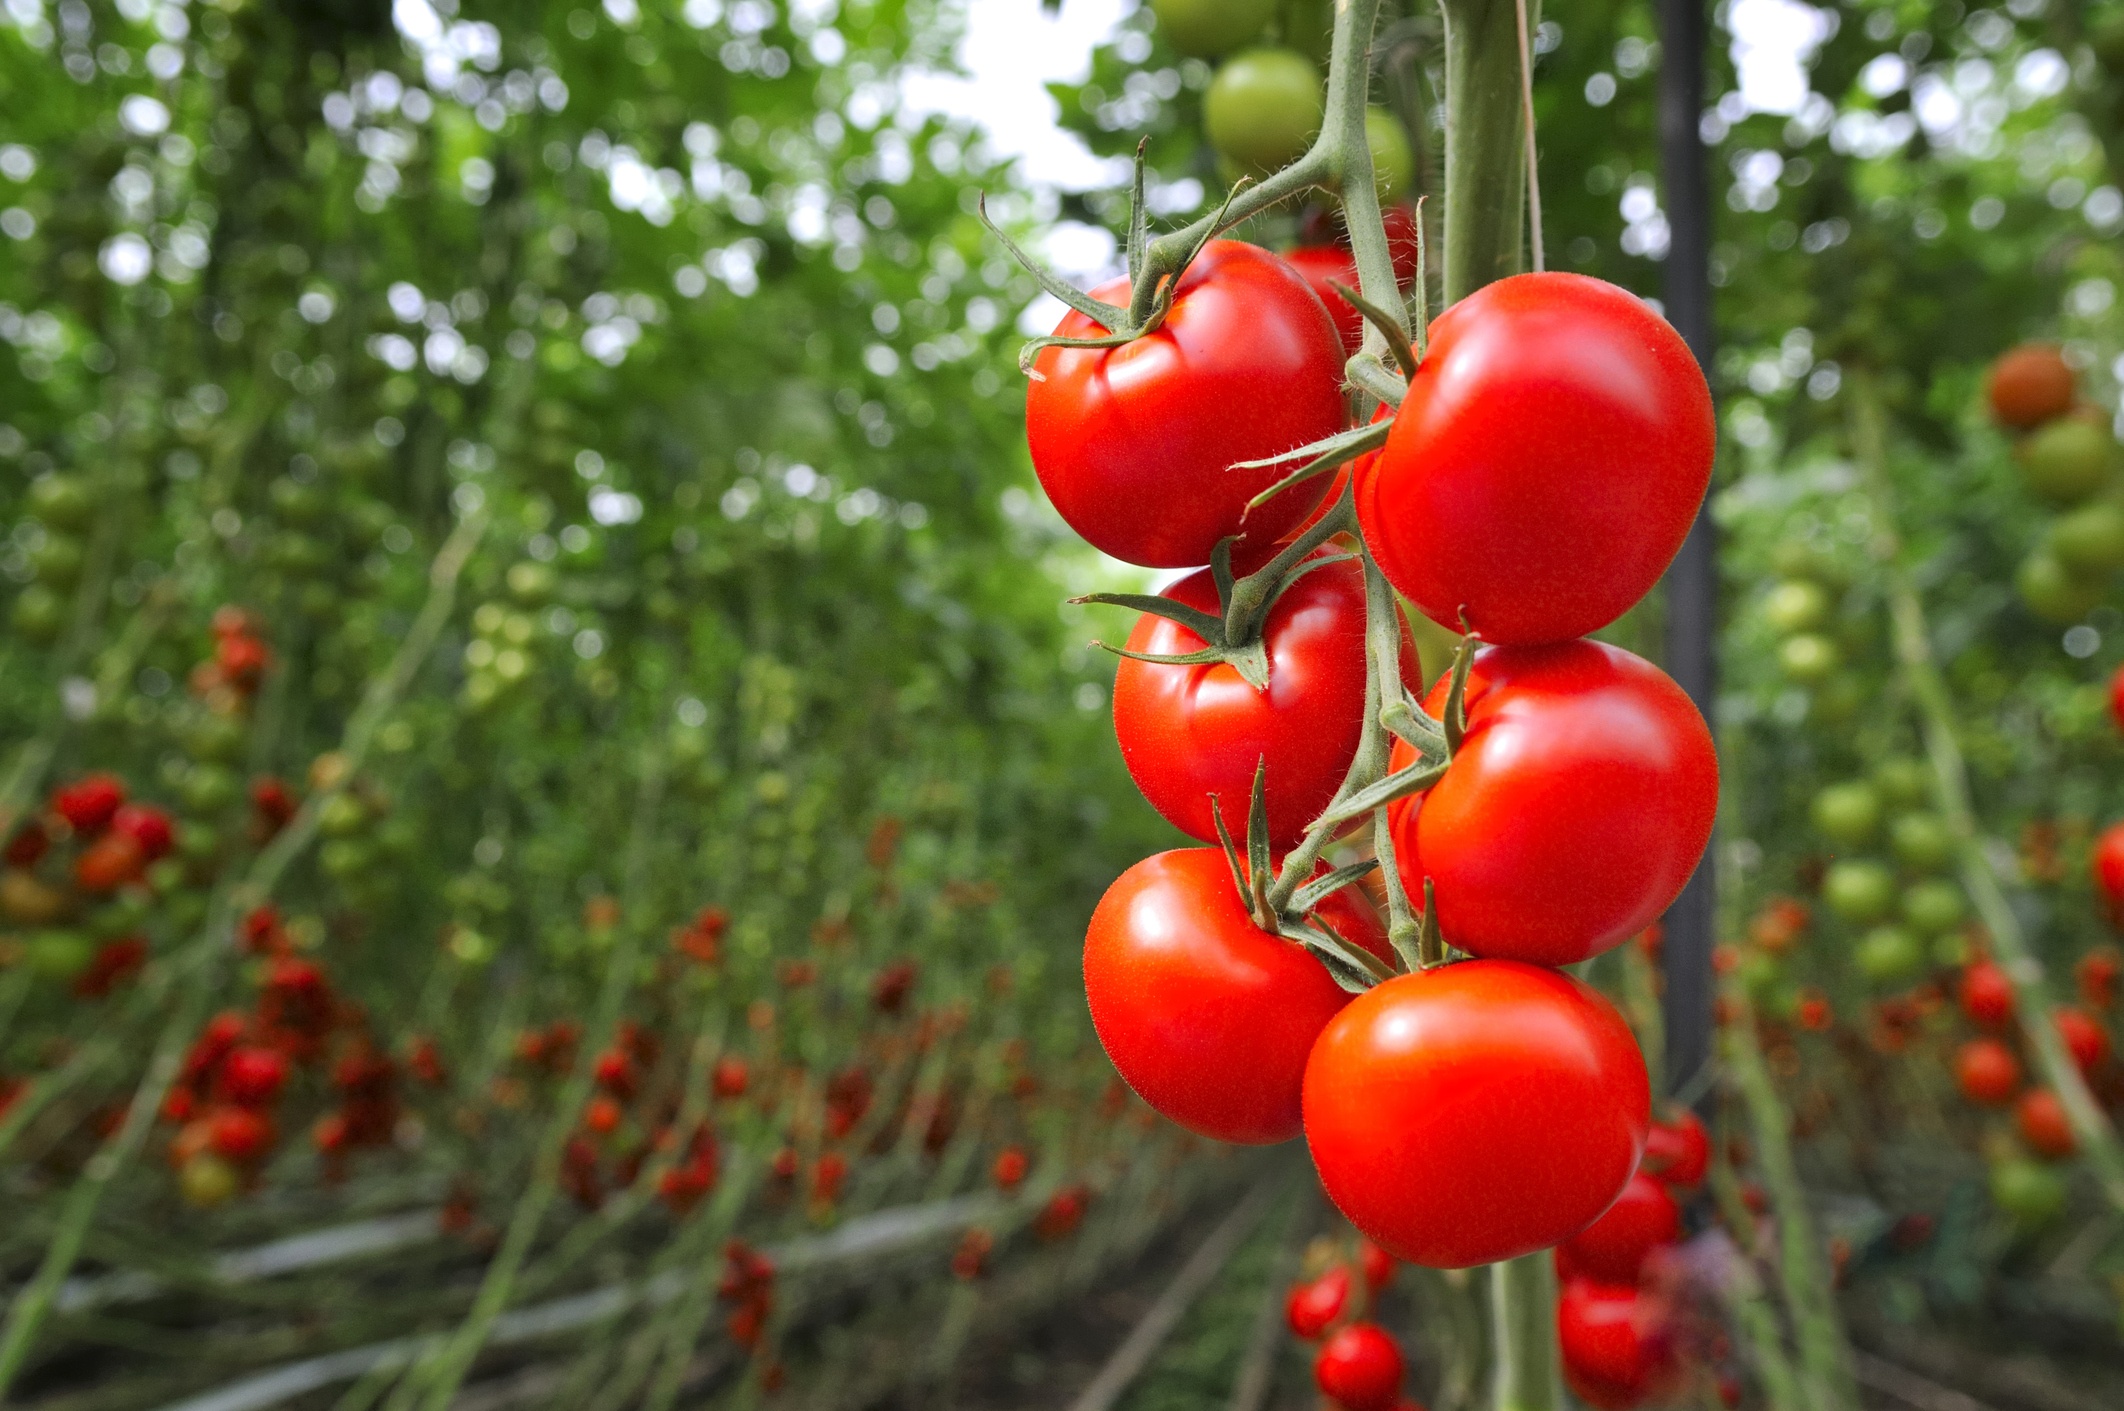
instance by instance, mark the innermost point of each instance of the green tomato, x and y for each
(59, 955)
(58, 560)
(1263, 108)
(208, 788)
(2052, 592)
(197, 841)
(1809, 657)
(1797, 605)
(2067, 460)
(1796, 558)
(1921, 841)
(1760, 972)
(1860, 891)
(39, 613)
(1204, 29)
(61, 501)
(2089, 541)
(1888, 955)
(1951, 951)
(2031, 1194)
(1848, 814)
(1934, 907)
(214, 737)
(1903, 781)
(1393, 160)
(345, 858)
(342, 816)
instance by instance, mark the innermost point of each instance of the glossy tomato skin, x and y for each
(1678, 1151)
(1547, 463)
(1360, 1368)
(1615, 1247)
(1324, 266)
(1575, 809)
(1208, 1017)
(1618, 1351)
(1475, 1112)
(1134, 444)
(1187, 732)
(1987, 1072)
(1314, 1305)
(1985, 994)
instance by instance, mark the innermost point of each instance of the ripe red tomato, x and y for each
(1617, 1343)
(149, 827)
(2108, 865)
(1010, 1167)
(2040, 1117)
(1475, 1112)
(1324, 266)
(1208, 1017)
(2030, 385)
(1985, 994)
(1987, 1072)
(1360, 1368)
(110, 862)
(239, 1134)
(1379, 1265)
(1576, 808)
(252, 1076)
(1313, 1305)
(1191, 731)
(1678, 1152)
(2116, 697)
(1614, 1247)
(2084, 1036)
(732, 1076)
(1547, 463)
(1134, 445)
(89, 802)
(2096, 973)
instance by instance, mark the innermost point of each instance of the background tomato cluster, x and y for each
(549, 807)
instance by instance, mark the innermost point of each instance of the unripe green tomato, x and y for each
(59, 955)
(342, 816)
(1796, 605)
(1263, 108)
(1890, 954)
(1903, 782)
(58, 560)
(208, 788)
(61, 501)
(1796, 558)
(2089, 541)
(38, 614)
(1934, 907)
(2067, 460)
(297, 503)
(1393, 160)
(1848, 814)
(343, 858)
(197, 842)
(1921, 841)
(206, 1181)
(1951, 951)
(2052, 592)
(214, 737)
(1860, 891)
(1204, 29)
(1809, 657)
(2031, 1194)
(531, 583)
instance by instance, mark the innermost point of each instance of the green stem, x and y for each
(1528, 1373)
(1981, 876)
(1485, 146)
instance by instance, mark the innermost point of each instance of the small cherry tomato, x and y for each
(1614, 1247)
(1360, 1368)
(1678, 1151)
(1313, 1305)
(148, 827)
(252, 1076)
(2108, 864)
(1987, 1072)
(1475, 1112)
(110, 862)
(1379, 1266)
(2040, 1118)
(2084, 1036)
(1985, 994)
(1618, 1348)
(89, 803)
(2030, 385)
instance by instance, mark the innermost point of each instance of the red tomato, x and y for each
(1010, 1167)
(149, 827)
(89, 802)
(2040, 1116)
(2116, 697)
(1547, 463)
(1360, 1368)
(2084, 1036)
(1314, 1305)
(2097, 973)
(1324, 266)
(1618, 1350)
(1475, 1112)
(1985, 994)
(1379, 1266)
(1614, 1247)
(252, 1076)
(1207, 1016)
(1134, 445)
(2108, 864)
(110, 862)
(1578, 804)
(1190, 731)
(1987, 1072)
(239, 1134)
(2030, 385)
(1678, 1152)
(732, 1075)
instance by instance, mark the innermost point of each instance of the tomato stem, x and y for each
(1528, 1375)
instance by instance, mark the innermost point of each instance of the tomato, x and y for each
(205, 1180)
(1393, 159)
(1379, 1265)
(252, 1076)
(1537, 389)
(1985, 994)
(110, 862)
(239, 1135)
(1922, 841)
(1618, 1350)
(2108, 863)
(1678, 1151)
(89, 803)
(1934, 907)
(1360, 1368)
(1858, 890)
(2089, 541)
(1324, 266)
(1187, 732)
(2084, 1037)
(1848, 814)
(1575, 809)
(1987, 1072)
(1888, 954)
(149, 827)
(2068, 460)
(1208, 1017)
(2054, 593)
(1263, 108)
(1315, 1304)
(1203, 29)
(2030, 385)
(2032, 1194)
(1134, 445)
(2040, 1118)
(1614, 1247)
(2096, 974)
(1476, 1111)
(1797, 605)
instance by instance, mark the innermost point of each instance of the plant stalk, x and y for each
(1485, 145)
(1528, 1372)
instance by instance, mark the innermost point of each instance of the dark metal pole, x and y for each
(1692, 582)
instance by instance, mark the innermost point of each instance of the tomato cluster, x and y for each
(2068, 459)
(1358, 1364)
